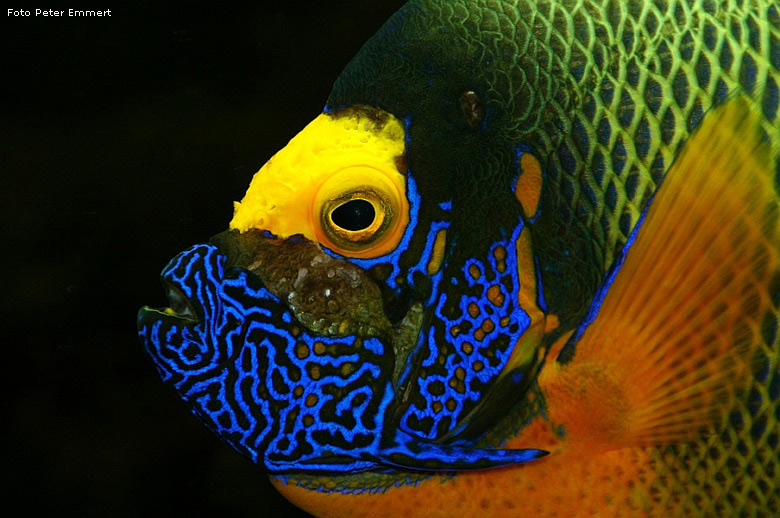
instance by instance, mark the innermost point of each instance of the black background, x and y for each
(123, 141)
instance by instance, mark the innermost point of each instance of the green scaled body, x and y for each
(493, 275)
(604, 93)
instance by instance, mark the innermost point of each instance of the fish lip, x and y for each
(179, 310)
(182, 310)
(179, 303)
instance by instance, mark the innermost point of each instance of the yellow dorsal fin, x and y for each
(678, 327)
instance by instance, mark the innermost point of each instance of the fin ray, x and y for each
(678, 324)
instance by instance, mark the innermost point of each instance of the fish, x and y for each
(526, 261)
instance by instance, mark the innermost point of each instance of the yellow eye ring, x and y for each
(374, 236)
(351, 162)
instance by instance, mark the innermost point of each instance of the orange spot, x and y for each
(473, 310)
(495, 296)
(311, 400)
(298, 391)
(455, 331)
(479, 335)
(434, 265)
(314, 372)
(308, 420)
(526, 272)
(437, 406)
(319, 348)
(530, 341)
(500, 254)
(451, 405)
(488, 326)
(478, 366)
(460, 373)
(474, 271)
(528, 188)
(505, 321)
(467, 348)
(301, 350)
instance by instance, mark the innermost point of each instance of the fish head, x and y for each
(303, 335)
(268, 332)
(449, 277)
(375, 300)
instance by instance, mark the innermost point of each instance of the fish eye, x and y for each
(360, 211)
(354, 215)
(357, 218)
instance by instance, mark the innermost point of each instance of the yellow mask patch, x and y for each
(334, 161)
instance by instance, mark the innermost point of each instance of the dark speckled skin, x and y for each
(328, 295)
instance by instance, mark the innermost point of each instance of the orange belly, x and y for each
(574, 480)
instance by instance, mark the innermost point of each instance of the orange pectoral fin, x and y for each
(675, 331)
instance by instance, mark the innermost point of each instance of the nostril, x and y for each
(179, 303)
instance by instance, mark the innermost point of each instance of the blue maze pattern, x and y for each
(275, 393)
(283, 397)
(478, 320)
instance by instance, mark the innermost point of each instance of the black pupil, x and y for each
(354, 215)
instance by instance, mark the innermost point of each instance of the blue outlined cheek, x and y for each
(272, 390)
(283, 397)
(475, 327)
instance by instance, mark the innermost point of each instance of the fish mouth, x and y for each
(185, 306)
(180, 313)
(179, 308)
(179, 305)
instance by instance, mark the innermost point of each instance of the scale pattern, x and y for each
(608, 92)
(605, 93)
